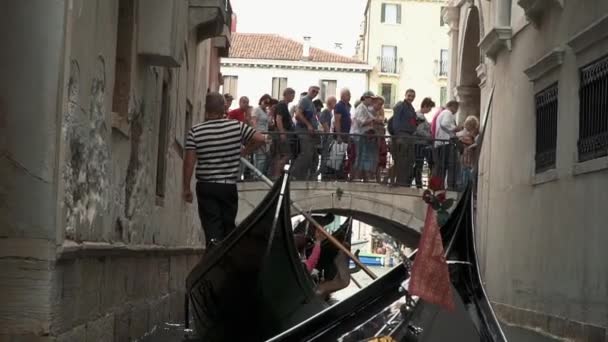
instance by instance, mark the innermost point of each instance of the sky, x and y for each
(325, 21)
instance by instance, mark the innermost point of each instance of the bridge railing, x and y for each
(399, 160)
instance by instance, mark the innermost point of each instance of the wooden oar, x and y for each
(310, 219)
(355, 281)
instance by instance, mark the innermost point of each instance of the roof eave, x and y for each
(359, 67)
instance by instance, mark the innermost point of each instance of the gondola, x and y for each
(322, 219)
(243, 290)
(326, 265)
(371, 311)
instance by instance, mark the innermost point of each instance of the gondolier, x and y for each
(214, 146)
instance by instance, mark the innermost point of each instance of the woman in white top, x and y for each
(366, 158)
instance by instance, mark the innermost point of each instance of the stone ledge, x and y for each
(497, 39)
(545, 64)
(73, 250)
(23, 248)
(594, 165)
(545, 177)
(552, 325)
(590, 36)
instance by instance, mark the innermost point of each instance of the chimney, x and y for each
(233, 24)
(306, 48)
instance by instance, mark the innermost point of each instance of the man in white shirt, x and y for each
(445, 152)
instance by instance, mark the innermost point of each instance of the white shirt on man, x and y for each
(446, 124)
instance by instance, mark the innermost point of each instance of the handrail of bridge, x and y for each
(333, 157)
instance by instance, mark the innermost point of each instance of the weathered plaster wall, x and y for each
(88, 251)
(30, 59)
(543, 245)
(30, 89)
(109, 177)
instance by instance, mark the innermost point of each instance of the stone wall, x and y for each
(95, 239)
(119, 298)
(542, 236)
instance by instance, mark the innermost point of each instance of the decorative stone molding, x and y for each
(451, 16)
(496, 40)
(463, 93)
(460, 3)
(545, 64)
(209, 17)
(589, 36)
(482, 74)
(534, 8)
(222, 42)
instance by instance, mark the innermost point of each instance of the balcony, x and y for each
(161, 29)
(389, 65)
(441, 68)
(210, 18)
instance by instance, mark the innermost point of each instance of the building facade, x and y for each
(405, 42)
(267, 64)
(544, 162)
(95, 101)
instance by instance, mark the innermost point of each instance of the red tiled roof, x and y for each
(274, 47)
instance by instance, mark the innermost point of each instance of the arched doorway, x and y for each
(467, 90)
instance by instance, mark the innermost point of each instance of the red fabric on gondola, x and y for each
(430, 276)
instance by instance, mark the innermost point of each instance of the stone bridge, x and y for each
(371, 203)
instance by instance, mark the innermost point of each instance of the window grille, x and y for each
(546, 128)
(593, 111)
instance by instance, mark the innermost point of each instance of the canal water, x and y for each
(450, 323)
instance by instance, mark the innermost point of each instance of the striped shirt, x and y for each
(218, 149)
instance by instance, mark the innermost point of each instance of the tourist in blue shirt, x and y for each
(342, 119)
(303, 167)
(404, 125)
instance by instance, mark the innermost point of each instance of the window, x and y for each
(546, 128)
(593, 112)
(387, 90)
(443, 96)
(163, 133)
(278, 86)
(441, 22)
(328, 88)
(391, 13)
(388, 61)
(124, 57)
(443, 63)
(230, 85)
(188, 123)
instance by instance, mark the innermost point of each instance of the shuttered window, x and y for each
(278, 86)
(391, 13)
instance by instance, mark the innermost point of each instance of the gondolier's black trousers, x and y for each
(217, 207)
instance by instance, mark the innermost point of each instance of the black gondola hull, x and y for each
(237, 293)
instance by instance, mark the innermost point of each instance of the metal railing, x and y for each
(403, 160)
(546, 128)
(593, 126)
(388, 65)
(441, 68)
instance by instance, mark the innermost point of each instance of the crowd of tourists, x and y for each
(331, 140)
(337, 140)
